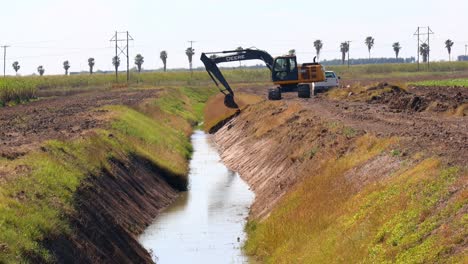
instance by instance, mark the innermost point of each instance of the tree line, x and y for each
(139, 60)
(369, 42)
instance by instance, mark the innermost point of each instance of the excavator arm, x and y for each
(235, 55)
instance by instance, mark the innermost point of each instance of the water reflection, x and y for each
(205, 225)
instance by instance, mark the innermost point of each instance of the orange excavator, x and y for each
(285, 72)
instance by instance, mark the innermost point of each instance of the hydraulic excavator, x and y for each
(285, 72)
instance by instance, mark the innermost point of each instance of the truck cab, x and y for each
(331, 81)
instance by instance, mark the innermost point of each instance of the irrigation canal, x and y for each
(205, 224)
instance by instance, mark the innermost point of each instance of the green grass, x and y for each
(19, 89)
(35, 202)
(16, 90)
(399, 70)
(439, 83)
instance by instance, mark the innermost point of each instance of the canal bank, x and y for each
(86, 199)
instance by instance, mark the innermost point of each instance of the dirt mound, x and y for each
(432, 99)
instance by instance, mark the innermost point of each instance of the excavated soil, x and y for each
(421, 116)
(24, 127)
(438, 99)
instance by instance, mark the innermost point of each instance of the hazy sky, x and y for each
(47, 32)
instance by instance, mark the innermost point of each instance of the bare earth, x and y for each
(422, 123)
(24, 127)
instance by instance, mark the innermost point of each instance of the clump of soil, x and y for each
(434, 100)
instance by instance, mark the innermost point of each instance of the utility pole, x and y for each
(191, 49)
(424, 40)
(128, 59)
(4, 59)
(466, 48)
(348, 50)
(428, 47)
(417, 48)
(116, 55)
(191, 43)
(123, 50)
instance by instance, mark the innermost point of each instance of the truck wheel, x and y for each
(274, 94)
(303, 91)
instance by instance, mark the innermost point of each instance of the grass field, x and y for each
(407, 68)
(449, 83)
(20, 89)
(16, 90)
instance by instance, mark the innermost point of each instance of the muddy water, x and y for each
(205, 225)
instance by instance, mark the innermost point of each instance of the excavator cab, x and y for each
(285, 69)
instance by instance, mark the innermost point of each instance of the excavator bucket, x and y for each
(229, 101)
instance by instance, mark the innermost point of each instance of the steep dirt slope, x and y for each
(112, 210)
(273, 145)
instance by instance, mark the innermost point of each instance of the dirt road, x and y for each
(24, 127)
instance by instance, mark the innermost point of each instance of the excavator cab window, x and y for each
(281, 65)
(285, 69)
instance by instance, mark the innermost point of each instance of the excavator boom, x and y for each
(234, 55)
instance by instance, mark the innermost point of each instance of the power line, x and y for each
(191, 43)
(123, 50)
(425, 40)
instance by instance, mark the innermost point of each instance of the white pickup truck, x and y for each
(332, 80)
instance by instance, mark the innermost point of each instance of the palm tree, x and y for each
(424, 51)
(318, 47)
(116, 63)
(41, 70)
(66, 66)
(344, 48)
(396, 47)
(16, 66)
(292, 52)
(190, 52)
(448, 45)
(240, 49)
(91, 65)
(139, 60)
(163, 57)
(369, 43)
